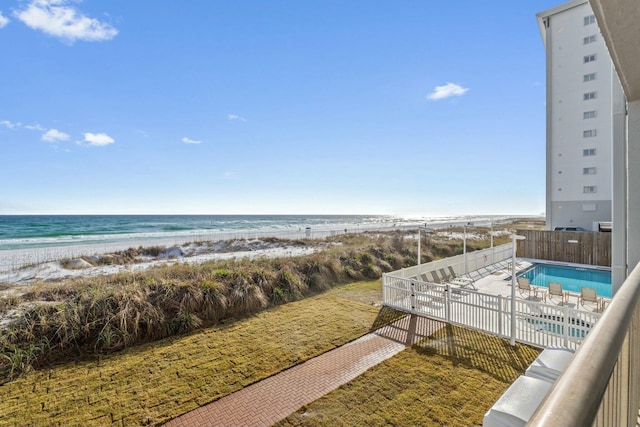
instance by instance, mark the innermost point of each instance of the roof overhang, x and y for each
(619, 22)
(553, 11)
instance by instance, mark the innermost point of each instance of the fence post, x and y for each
(565, 309)
(447, 304)
(413, 298)
(500, 316)
(384, 284)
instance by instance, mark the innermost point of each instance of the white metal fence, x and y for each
(462, 264)
(537, 324)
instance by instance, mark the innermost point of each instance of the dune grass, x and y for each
(101, 315)
(451, 378)
(152, 383)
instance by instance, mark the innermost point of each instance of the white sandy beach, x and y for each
(190, 253)
(25, 266)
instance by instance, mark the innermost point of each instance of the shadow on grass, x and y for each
(480, 351)
(385, 316)
(407, 329)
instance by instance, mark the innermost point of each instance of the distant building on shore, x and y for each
(585, 119)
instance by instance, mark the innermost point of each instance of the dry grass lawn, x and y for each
(451, 378)
(153, 383)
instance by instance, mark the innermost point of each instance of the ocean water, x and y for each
(43, 231)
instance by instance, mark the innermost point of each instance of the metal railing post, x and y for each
(413, 297)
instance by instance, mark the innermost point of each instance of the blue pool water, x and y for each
(572, 279)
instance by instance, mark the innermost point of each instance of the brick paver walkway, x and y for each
(274, 398)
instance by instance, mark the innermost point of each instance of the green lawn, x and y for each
(451, 378)
(152, 383)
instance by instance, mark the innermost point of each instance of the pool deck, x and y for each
(493, 280)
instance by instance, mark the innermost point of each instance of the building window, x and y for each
(588, 20)
(589, 171)
(589, 95)
(588, 152)
(589, 39)
(589, 77)
(589, 133)
(589, 115)
(589, 58)
(589, 189)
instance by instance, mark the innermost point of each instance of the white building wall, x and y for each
(580, 91)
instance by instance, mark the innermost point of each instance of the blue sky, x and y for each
(272, 107)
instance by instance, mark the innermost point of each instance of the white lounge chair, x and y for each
(590, 295)
(555, 289)
(516, 405)
(463, 282)
(550, 363)
(524, 285)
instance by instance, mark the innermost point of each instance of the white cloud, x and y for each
(235, 117)
(9, 125)
(3, 20)
(56, 18)
(34, 127)
(190, 141)
(98, 139)
(446, 91)
(53, 135)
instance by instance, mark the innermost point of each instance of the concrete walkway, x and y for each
(273, 399)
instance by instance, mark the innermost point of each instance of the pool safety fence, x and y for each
(471, 264)
(537, 324)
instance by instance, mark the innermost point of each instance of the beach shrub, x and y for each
(279, 296)
(246, 298)
(372, 271)
(291, 283)
(394, 261)
(385, 266)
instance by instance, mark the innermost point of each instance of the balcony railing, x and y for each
(601, 386)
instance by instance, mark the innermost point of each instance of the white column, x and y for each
(633, 184)
(514, 238)
(464, 248)
(419, 250)
(619, 188)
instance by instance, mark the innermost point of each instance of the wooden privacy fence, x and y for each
(580, 247)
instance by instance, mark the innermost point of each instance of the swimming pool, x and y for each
(572, 279)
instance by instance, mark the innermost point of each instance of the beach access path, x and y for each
(273, 399)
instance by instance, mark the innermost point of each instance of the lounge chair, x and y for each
(555, 289)
(460, 281)
(590, 295)
(435, 277)
(524, 285)
(445, 275)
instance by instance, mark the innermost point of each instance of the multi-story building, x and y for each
(585, 118)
